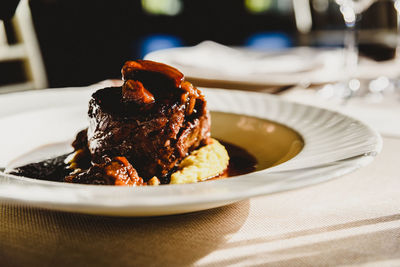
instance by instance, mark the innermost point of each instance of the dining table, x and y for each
(353, 220)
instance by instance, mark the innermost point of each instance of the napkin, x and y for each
(219, 58)
(213, 61)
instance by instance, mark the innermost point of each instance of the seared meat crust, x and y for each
(154, 120)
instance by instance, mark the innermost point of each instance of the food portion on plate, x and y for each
(153, 130)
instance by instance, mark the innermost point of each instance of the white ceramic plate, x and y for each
(49, 119)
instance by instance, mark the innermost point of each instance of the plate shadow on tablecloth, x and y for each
(33, 237)
(375, 246)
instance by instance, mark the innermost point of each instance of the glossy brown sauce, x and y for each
(240, 161)
(55, 169)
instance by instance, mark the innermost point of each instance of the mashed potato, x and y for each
(206, 162)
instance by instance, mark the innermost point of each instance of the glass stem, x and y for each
(397, 8)
(397, 56)
(351, 49)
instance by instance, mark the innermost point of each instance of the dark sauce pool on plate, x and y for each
(56, 169)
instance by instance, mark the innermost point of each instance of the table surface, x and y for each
(352, 220)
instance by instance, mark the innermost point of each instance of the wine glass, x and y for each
(397, 8)
(351, 11)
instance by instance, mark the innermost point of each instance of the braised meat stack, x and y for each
(154, 120)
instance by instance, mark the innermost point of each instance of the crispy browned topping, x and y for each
(130, 69)
(122, 172)
(135, 91)
(190, 94)
(117, 171)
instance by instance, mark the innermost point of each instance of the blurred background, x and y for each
(84, 42)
